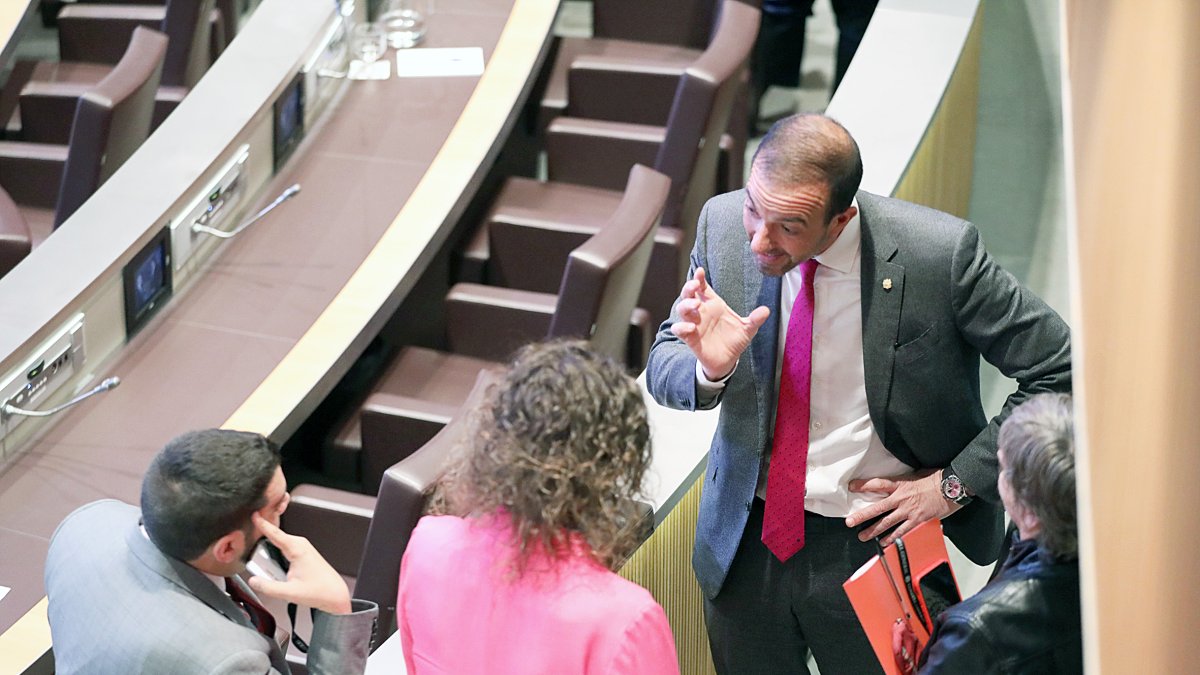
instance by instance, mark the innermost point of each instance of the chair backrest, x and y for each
(700, 115)
(188, 25)
(111, 121)
(402, 497)
(15, 238)
(687, 23)
(604, 275)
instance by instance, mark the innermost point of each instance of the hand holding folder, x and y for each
(899, 592)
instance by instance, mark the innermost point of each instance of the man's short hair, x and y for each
(812, 149)
(204, 485)
(1039, 451)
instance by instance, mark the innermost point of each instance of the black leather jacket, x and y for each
(1026, 621)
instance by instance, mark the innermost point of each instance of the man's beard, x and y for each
(249, 552)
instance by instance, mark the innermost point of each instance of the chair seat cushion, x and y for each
(562, 207)
(638, 56)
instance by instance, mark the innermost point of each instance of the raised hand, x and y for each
(715, 333)
(311, 581)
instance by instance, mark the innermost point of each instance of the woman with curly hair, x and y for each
(524, 583)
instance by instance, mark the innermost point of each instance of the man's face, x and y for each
(277, 502)
(786, 224)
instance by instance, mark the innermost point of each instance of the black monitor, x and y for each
(147, 280)
(289, 120)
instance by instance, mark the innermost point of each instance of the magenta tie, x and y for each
(783, 520)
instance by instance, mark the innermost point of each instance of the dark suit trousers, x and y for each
(768, 614)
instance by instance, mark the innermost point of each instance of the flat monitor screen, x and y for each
(148, 281)
(289, 120)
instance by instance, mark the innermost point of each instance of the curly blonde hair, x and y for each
(560, 444)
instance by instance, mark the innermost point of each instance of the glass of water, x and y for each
(368, 42)
(404, 21)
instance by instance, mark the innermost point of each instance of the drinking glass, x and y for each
(404, 21)
(368, 42)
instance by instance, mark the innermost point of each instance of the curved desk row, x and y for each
(384, 177)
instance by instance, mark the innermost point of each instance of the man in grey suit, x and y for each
(841, 333)
(156, 591)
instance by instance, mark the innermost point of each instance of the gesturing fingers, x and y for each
(701, 280)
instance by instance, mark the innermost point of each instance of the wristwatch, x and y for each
(953, 488)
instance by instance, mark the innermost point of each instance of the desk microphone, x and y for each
(8, 409)
(286, 195)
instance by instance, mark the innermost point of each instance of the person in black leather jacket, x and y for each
(1027, 619)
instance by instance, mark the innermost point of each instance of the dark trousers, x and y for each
(769, 614)
(780, 45)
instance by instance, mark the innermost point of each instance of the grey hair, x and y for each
(1039, 451)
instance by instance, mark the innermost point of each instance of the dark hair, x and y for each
(560, 445)
(809, 148)
(1039, 451)
(204, 485)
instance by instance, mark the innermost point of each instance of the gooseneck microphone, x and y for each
(283, 197)
(111, 383)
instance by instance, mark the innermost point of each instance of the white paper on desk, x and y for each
(4, 591)
(376, 70)
(440, 62)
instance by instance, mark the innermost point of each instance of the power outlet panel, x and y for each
(56, 363)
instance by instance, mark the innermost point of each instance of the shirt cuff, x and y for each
(712, 387)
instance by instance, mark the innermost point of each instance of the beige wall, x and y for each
(1132, 78)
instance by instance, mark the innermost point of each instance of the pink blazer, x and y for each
(460, 610)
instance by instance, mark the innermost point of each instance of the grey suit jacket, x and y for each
(948, 304)
(118, 605)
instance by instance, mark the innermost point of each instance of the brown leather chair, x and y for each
(224, 19)
(15, 238)
(586, 157)
(364, 537)
(595, 300)
(92, 37)
(628, 35)
(51, 181)
(628, 70)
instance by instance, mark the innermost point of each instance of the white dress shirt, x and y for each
(842, 443)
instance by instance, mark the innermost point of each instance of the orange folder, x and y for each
(883, 601)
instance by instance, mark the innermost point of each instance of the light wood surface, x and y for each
(1131, 91)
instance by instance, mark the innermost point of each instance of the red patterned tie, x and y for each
(783, 520)
(261, 617)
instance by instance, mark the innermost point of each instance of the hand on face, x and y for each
(715, 333)
(911, 500)
(311, 581)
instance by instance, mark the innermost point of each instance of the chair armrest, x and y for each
(602, 87)
(48, 110)
(393, 427)
(100, 33)
(32, 172)
(335, 521)
(16, 241)
(487, 322)
(597, 153)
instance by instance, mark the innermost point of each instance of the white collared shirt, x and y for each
(842, 443)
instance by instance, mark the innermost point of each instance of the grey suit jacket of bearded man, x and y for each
(119, 605)
(933, 302)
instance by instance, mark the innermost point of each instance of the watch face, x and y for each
(952, 488)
